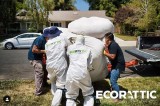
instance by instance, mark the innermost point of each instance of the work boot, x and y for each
(70, 102)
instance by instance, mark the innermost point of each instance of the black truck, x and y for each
(147, 50)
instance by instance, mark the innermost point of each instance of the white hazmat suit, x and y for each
(56, 66)
(78, 76)
(99, 60)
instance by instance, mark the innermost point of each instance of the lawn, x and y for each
(126, 37)
(21, 92)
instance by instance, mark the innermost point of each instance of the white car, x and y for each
(24, 40)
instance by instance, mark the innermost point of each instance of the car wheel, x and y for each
(9, 46)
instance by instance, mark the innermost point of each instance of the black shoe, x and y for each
(63, 101)
(64, 95)
(46, 85)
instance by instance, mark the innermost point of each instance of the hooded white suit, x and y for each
(78, 76)
(56, 66)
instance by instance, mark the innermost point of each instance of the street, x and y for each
(15, 65)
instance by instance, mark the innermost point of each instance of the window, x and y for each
(25, 36)
(28, 25)
(35, 35)
(57, 24)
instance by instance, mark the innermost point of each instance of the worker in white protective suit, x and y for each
(56, 63)
(78, 76)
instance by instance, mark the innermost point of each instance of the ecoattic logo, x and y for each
(126, 94)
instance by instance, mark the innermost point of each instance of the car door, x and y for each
(23, 39)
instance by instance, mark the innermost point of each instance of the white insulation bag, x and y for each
(94, 26)
(99, 60)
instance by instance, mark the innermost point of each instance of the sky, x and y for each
(82, 5)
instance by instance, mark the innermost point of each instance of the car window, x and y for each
(25, 36)
(35, 35)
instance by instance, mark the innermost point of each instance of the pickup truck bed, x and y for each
(147, 50)
(145, 54)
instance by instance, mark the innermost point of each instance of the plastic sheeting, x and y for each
(94, 26)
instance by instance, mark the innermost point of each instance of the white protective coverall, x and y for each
(56, 66)
(78, 76)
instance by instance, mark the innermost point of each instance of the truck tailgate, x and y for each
(145, 54)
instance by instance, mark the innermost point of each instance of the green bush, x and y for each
(32, 29)
(137, 33)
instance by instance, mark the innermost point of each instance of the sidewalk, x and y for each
(125, 43)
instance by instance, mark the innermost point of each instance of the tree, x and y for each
(145, 13)
(19, 5)
(8, 12)
(102, 5)
(64, 5)
(118, 3)
(111, 6)
(120, 19)
(108, 6)
(38, 10)
(157, 23)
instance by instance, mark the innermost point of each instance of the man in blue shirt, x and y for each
(35, 56)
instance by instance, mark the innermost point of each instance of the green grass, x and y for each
(132, 84)
(126, 37)
(21, 92)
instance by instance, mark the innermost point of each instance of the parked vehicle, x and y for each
(24, 40)
(147, 50)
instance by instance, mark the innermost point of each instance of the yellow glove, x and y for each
(105, 52)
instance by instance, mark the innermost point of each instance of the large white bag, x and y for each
(99, 61)
(94, 26)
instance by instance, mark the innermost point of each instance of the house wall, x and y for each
(63, 24)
